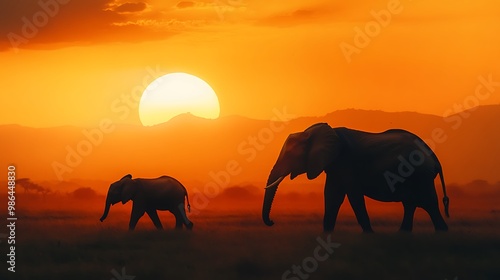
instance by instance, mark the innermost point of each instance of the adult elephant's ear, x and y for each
(324, 147)
(128, 188)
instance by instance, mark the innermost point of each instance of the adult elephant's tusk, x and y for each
(275, 182)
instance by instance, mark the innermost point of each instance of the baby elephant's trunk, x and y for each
(106, 211)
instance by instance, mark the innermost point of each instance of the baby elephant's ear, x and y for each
(128, 176)
(128, 190)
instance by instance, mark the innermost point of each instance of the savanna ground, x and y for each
(63, 239)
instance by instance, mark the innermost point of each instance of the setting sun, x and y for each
(174, 94)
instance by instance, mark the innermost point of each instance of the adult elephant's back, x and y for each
(386, 151)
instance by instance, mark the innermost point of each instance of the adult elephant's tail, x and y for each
(446, 200)
(439, 170)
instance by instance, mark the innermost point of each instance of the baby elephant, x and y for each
(149, 195)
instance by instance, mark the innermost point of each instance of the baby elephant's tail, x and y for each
(187, 199)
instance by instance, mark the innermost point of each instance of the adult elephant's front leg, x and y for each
(137, 212)
(409, 212)
(357, 201)
(334, 197)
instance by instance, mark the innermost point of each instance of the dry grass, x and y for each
(64, 242)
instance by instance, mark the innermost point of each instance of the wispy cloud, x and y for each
(102, 21)
(185, 4)
(298, 16)
(128, 7)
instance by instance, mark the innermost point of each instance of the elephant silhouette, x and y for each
(392, 166)
(150, 195)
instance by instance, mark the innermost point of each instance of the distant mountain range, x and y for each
(234, 150)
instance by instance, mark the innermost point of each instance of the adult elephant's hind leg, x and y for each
(430, 205)
(409, 212)
(181, 217)
(358, 205)
(178, 219)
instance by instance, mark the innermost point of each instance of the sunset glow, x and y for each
(314, 56)
(175, 94)
(123, 122)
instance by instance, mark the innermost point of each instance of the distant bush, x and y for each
(32, 187)
(236, 192)
(84, 193)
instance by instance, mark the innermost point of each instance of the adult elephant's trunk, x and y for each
(272, 187)
(106, 210)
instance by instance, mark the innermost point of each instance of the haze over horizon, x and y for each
(192, 147)
(189, 115)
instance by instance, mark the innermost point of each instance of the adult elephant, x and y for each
(149, 195)
(392, 166)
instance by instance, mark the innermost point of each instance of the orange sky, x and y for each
(256, 54)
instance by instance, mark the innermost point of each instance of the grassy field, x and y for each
(63, 242)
